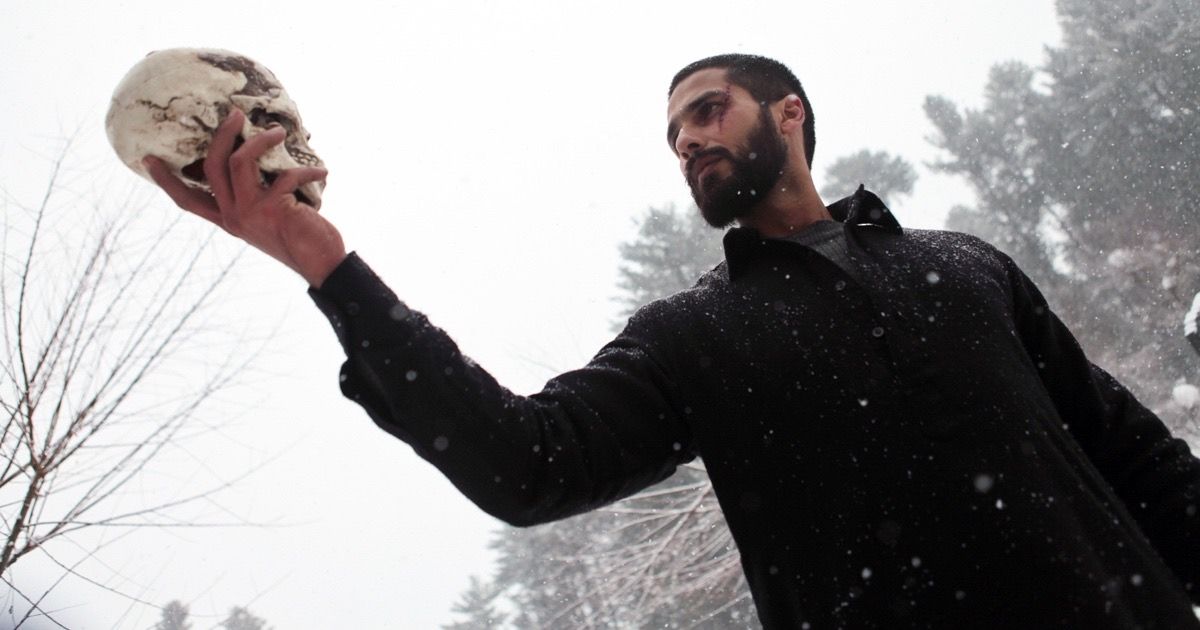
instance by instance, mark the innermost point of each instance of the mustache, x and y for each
(703, 155)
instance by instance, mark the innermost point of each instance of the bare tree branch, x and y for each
(99, 309)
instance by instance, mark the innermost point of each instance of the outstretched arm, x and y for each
(590, 437)
(269, 217)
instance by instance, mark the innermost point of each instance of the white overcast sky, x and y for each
(486, 159)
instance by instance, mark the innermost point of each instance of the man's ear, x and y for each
(791, 114)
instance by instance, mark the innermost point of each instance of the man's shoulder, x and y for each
(706, 288)
(947, 238)
(714, 278)
(954, 245)
(677, 311)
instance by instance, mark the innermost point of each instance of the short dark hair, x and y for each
(765, 79)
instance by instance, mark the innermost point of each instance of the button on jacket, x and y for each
(926, 447)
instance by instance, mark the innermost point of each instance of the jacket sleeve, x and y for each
(590, 437)
(1153, 473)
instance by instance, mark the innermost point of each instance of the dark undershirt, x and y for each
(828, 239)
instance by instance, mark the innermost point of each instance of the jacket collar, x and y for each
(863, 208)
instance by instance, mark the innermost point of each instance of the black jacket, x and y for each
(929, 448)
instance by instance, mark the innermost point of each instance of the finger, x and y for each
(293, 178)
(191, 199)
(243, 164)
(216, 163)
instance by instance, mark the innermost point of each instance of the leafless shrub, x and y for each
(104, 315)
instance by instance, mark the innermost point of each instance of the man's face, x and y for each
(729, 148)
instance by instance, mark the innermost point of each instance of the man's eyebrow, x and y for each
(673, 125)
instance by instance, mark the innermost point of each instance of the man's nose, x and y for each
(686, 145)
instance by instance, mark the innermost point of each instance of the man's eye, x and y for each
(705, 111)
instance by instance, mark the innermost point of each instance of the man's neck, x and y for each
(791, 206)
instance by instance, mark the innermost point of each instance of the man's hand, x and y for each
(268, 217)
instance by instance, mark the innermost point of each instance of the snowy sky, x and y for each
(486, 159)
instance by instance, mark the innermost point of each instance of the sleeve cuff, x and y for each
(353, 295)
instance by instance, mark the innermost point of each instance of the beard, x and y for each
(722, 200)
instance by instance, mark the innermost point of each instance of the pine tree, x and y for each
(888, 176)
(476, 605)
(671, 251)
(1086, 172)
(241, 619)
(174, 617)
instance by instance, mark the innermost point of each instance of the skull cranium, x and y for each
(171, 102)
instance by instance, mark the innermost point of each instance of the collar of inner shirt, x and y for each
(863, 208)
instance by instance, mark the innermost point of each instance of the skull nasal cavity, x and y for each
(195, 171)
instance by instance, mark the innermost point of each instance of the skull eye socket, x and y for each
(263, 119)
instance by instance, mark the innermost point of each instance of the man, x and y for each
(899, 431)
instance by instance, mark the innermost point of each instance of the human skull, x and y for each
(171, 102)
